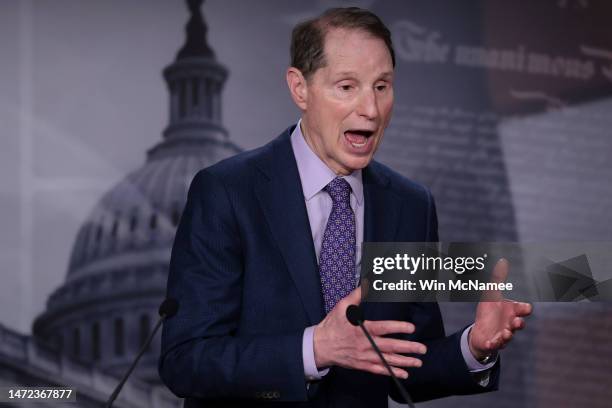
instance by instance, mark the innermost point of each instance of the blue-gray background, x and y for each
(512, 151)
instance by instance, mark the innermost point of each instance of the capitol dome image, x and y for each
(97, 320)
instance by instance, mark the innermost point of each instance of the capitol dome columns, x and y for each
(195, 81)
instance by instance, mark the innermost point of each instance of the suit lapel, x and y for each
(382, 206)
(381, 217)
(282, 200)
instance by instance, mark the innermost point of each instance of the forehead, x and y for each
(355, 50)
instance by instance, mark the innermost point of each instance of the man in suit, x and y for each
(267, 253)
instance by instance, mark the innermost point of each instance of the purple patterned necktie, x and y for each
(337, 256)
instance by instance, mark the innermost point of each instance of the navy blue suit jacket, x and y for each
(244, 271)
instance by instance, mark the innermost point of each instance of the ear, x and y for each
(297, 87)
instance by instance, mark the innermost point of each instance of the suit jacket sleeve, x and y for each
(444, 371)
(203, 353)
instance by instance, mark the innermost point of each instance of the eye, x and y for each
(381, 88)
(346, 87)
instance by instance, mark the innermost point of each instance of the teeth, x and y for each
(356, 139)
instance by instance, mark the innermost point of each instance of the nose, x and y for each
(367, 105)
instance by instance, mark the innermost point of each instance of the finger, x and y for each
(499, 275)
(387, 345)
(383, 327)
(494, 343)
(506, 335)
(500, 271)
(398, 372)
(398, 360)
(382, 370)
(500, 339)
(522, 309)
(517, 323)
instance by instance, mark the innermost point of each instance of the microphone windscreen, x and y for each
(354, 315)
(168, 308)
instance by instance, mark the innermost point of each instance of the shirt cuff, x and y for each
(311, 373)
(473, 365)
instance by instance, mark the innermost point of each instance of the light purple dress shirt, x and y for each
(314, 175)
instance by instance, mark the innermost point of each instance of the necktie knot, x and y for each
(339, 190)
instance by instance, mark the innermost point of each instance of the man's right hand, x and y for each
(338, 342)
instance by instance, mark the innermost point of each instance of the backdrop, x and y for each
(503, 109)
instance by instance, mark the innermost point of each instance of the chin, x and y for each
(357, 163)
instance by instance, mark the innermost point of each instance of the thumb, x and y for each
(500, 271)
(499, 275)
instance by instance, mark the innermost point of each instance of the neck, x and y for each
(338, 170)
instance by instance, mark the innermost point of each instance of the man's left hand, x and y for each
(497, 319)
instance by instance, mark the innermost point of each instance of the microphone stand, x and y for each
(354, 315)
(167, 309)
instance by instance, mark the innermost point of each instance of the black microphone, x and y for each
(354, 315)
(167, 309)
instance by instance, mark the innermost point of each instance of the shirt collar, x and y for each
(314, 173)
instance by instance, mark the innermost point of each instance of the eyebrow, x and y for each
(346, 73)
(384, 75)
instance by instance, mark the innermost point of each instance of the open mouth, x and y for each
(358, 137)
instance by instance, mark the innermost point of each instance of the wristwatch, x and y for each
(487, 359)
